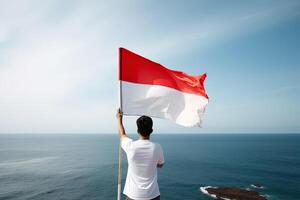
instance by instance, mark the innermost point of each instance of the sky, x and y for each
(59, 62)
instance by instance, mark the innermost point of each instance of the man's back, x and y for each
(143, 157)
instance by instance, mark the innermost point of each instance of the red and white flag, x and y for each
(148, 88)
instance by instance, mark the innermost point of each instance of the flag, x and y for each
(148, 88)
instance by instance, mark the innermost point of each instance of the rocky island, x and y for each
(227, 193)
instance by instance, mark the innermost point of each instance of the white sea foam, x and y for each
(67, 172)
(254, 186)
(16, 163)
(204, 191)
(266, 195)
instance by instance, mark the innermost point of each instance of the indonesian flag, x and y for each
(148, 88)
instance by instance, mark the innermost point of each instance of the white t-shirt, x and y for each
(143, 157)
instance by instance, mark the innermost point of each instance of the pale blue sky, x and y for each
(58, 62)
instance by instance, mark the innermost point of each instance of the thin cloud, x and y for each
(59, 67)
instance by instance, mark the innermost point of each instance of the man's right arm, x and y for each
(121, 129)
(124, 140)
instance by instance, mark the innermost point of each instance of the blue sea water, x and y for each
(84, 166)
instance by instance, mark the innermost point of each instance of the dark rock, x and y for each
(232, 193)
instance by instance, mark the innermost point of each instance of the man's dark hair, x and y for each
(144, 125)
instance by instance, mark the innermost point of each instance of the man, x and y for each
(144, 157)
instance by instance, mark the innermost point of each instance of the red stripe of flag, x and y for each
(137, 69)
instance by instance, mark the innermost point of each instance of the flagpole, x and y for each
(120, 149)
(119, 173)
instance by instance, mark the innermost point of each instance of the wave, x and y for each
(257, 186)
(67, 172)
(14, 163)
(204, 191)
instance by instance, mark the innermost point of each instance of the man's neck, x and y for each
(144, 138)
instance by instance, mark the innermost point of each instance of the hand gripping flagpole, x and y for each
(120, 149)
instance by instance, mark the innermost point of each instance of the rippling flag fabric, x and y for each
(148, 88)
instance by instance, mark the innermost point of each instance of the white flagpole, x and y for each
(120, 149)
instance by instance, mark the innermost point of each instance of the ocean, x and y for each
(84, 166)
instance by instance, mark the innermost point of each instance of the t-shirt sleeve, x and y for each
(125, 143)
(161, 158)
